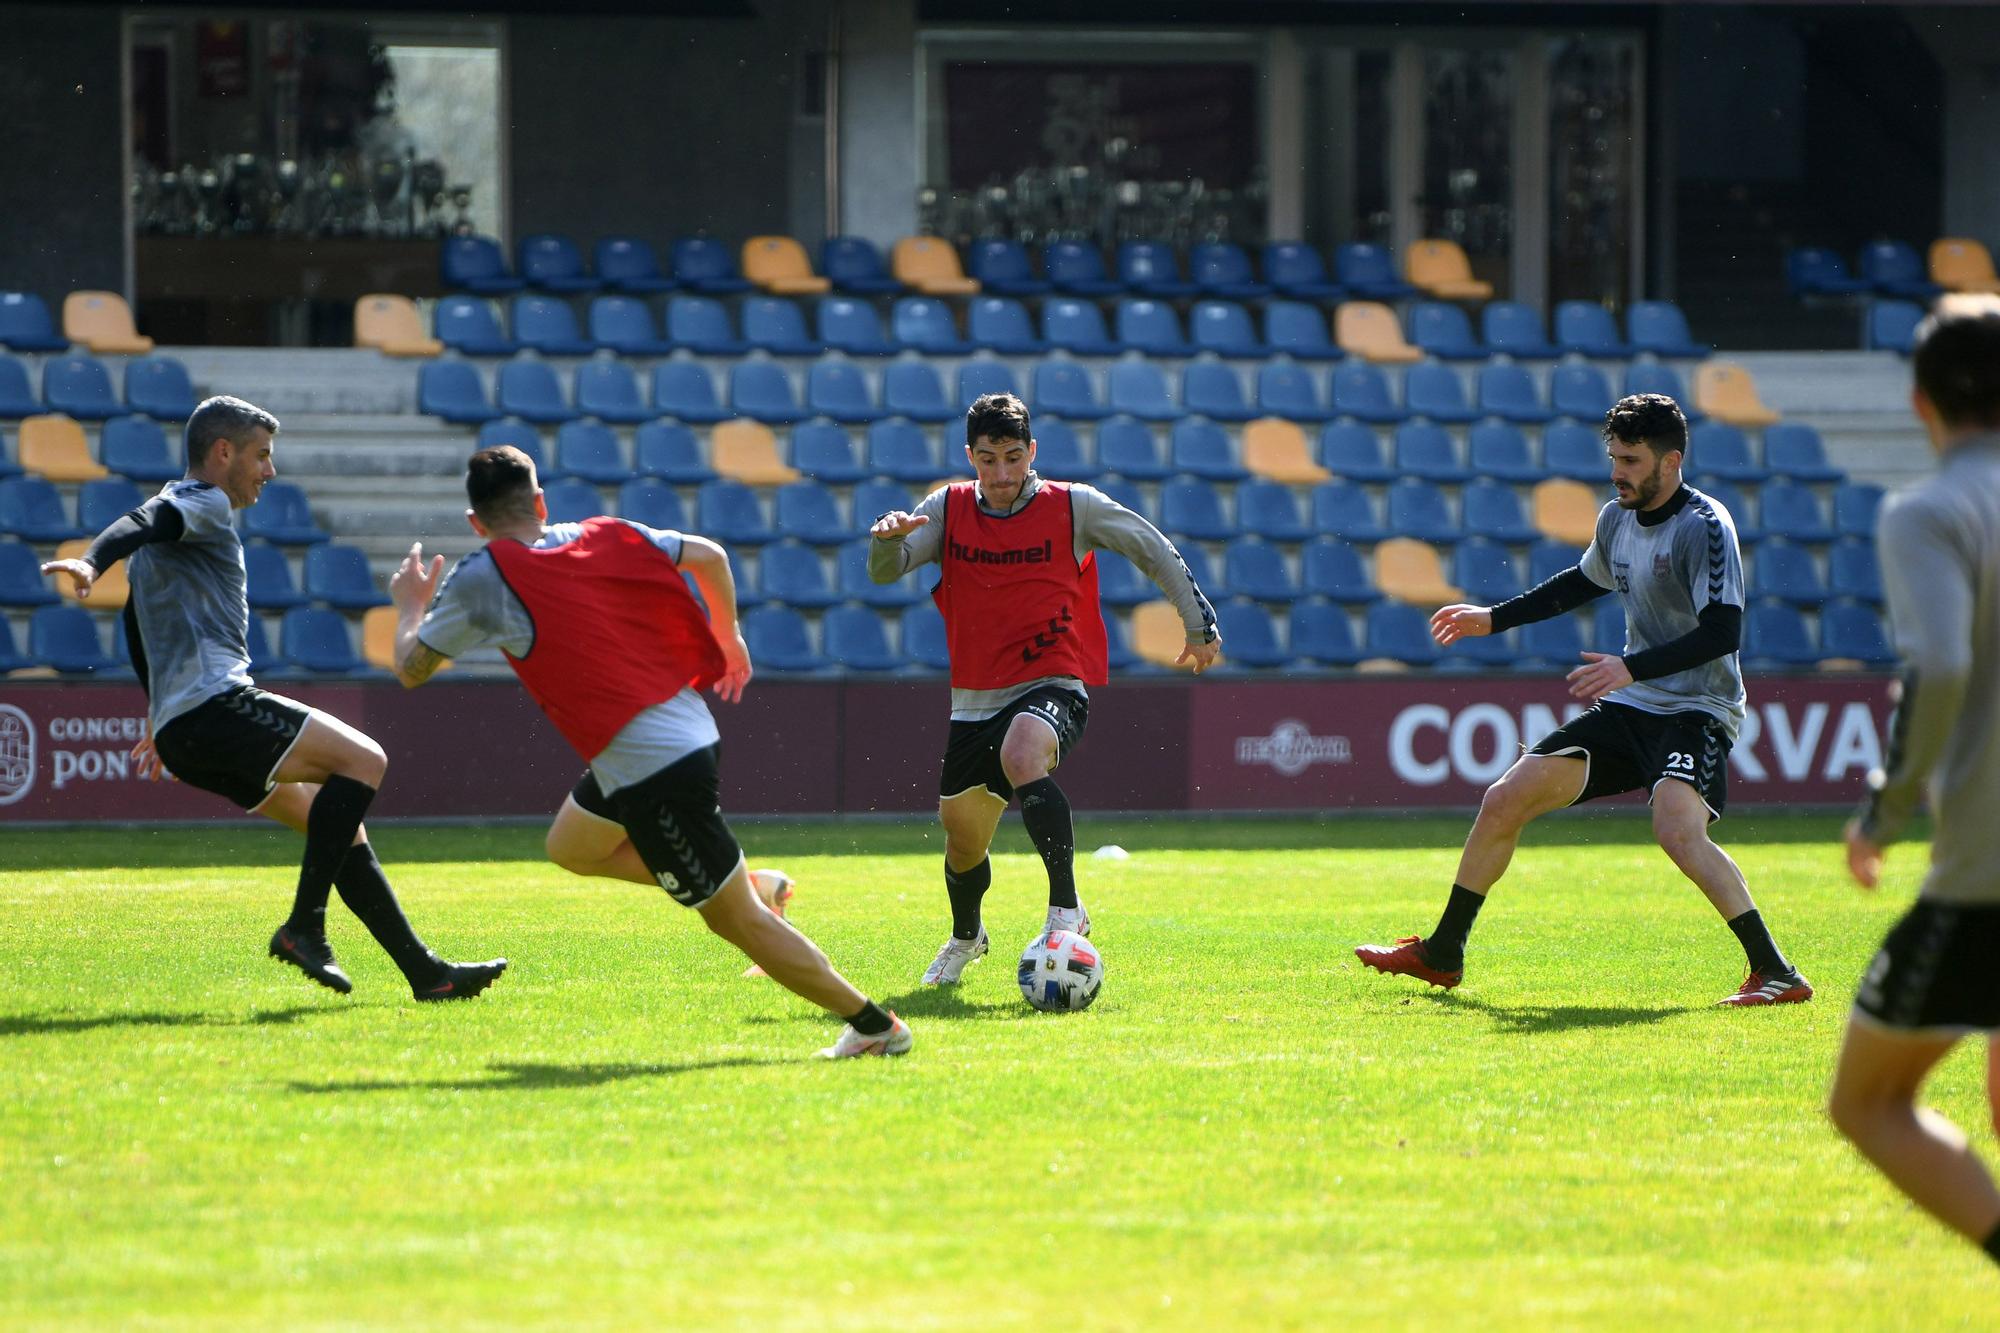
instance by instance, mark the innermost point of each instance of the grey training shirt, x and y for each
(188, 597)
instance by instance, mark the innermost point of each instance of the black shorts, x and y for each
(1936, 970)
(1629, 749)
(232, 744)
(674, 819)
(972, 750)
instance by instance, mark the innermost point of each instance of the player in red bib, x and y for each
(1019, 597)
(597, 622)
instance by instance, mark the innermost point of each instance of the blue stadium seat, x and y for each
(779, 640)
(1059, 452)
(1205, 578)
(1149, 326)
(1851, 630)
(466, 324)
(1488, 574)
(1369, 271)
(1192, 508)
(554, 264)
(608, 390)
(1140, 388)
(1812, 270)
(835, 387)
(1719, 450)
(911, 388)
(902, 452)
(1775, 634)
(265, 661)
(1425, 451)
(1499, 450)
(1294, 328)
(1119, 582)
(630, 265)
(80, 386)
(1077, 327)
(549, 326)
(1150, 269)
(703, 264)
(1268, 509)
(1856, 506)
(1000, 324)
(316, 639)
(1852, 570)
(1064, 388)
(589, 450)
(825, 451)
(856, 586)
(653, 502)
(1581, 391)
(872, 499)
(1126, 448)
(339, 576)
(159, 387)
(924, 641)
(1222, 269)
(857, 640)
(1508, 391)
(1286, 389)
(1787, 572)
(1488, 651)
(1793, 449)
(1659, 377)
(136, 447)
(854, 265)
(1201, 448)
(808, 512)
(1419, 509)
(1586, 328)
(979, 377)
(1553, 643)
(1511, 328)
(268, 579)
(669, 451)
(1332, 568)
(728, 511)
(1549, 557)
(1401, 633)
(1573, 450)
(924, 324)
(1892, 326)
(121, 653)
(531, 391)
(1297, 271)
(1321, 632)
(1787, 509)
(1659, 327)
(1004, 268)
(775, 324)
(282, 515)
(66, 638)
(1493, 510)
(1077, 269)
(1362, 391)
(1211, 389)
(1353, 452)
(1224, 328)
(1734, 503)
(1444, 331)
(522, 436)
(103, 502)
(851, 326)
(1433, 390)
(1342, 509)
(476, 264)
(1248, 636)
(21, 581)
(682, 390)
(1256, 569)
(792, 573)
(701, 324)
(25, 325)
(762, 391)
(572, 501)
(1607, 626)
(1128, 495)
(1893, 268)
(17, 395)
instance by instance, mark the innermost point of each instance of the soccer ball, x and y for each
(1061, 970)
(774, 887)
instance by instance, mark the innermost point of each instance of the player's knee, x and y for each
(1025, 762)
(1506, 806)
(1680, 840)
(369, 763)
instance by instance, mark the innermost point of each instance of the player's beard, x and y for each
(1645, 491)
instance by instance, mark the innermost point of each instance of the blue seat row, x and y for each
(1886, 268)
(70, 639)
(79, 385)
(32, 508)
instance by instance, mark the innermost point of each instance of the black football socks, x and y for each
(331, 824)
(365, 890)
(872, 1021)
(1445, 949)
(966, 888)
(1045, 814)
(1758, 946)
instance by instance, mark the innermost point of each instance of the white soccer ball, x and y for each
(1061, 971)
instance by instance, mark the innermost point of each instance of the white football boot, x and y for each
(952, 958)
(896, 1041)
(1072, 919)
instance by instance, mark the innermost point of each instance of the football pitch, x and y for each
(1247, 1130)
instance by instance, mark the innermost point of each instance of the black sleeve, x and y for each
(1717, 635)
(157, 520)
(135, 644)
(1547, 600)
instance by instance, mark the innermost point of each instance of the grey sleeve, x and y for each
(664, 538)
(890, 559)
(1712, 562)
(1929, 581)
(1596, 565)
(204, 511)
(1104, 524)
(464, 614)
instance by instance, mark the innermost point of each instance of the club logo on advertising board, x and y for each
(1291, 749)
(17, 754)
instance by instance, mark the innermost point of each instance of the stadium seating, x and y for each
(851, 326)
(1607, 626)
(451, 389)
(1224, 329)
(1158, 636)
(316, 639)
(1892, 268)
(650, 501)
(1059, 453)
(1277, 449)
(669, 451)
(1499, 450)
(1139, 388)
(855, 585)
(762, 391)
(1418, 509)
(1065, 389)
(1719, 450)
(1434, 391)
(476, 264)
(1369, 272)
(855, 266)
(1192, 508)
(1076, 327)
(704, 265)
(792, 573)
(1149, 268)
(1362, 391)
(609, 391)
(1726, 392)
(66, 639)
(1891, 326)
(775, 324)
(159, 387)
(1297, 271)
(825, 452)
(1256, 569)
(780, 641)
(25, 325)
(1786, 571)
(1119, 582)
(338, 576)
(1812, 270)
(1853, 632)
(1659, 377)
(1856, 506)
(17, 396)
(1566, 510)
(872, 499)
(836, 388)
(1659, 327)
(268, 579)
(924, 324)
(629, 265)
(137, 447)
(1294, 328)
(554, 264)
(1211, 389)
(1442, 269)
(780, 266)
(1787, 509)
(79, 386)
(979, 377)
(1330, 567)
(1961, 264)
(1126, 448)
(1128, 495)
(1775, 634)
(54, 447)
(282, 515)
(522, 436)
(930, 266)
(102, 322)
(808, 512)
(727, 510)
(1508, 391)
(1399, 632)
(21, 580)
(1442, 330)
(1248, 636)
(857, 640)
(530, 390)
(1552, 643)
(1003, 268)
(625, 325)
(1076, 268)
(1510, 328)
(1426, 451)
(924, 640)
(1287, 390)
(1580, 390)
(1343, 509)
(1575, 451)
(1270, 510)
(911, 388)
(103, 502)
(1000, 324)
(1369, 330)
(902, 452)
(746, 451)
(572, 501)
(1585, 328)
(1492, 510)
(1320, 632)
(701, 324)
(1852, 570)
(1221, 269)
(1201, 448)
(1151, 327)
(588, 450)
(683, 390)
(467, 325)
(1354, 452)
(390, 324)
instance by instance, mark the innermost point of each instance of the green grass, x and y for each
(1247, 1129)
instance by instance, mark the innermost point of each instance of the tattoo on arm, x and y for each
(420, 664)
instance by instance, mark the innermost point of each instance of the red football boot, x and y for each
(1760, 989)
(1406, 956)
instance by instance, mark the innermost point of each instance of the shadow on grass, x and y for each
(945, 1002)
(28, 1025)
(518, 1077)
(1539, 1018)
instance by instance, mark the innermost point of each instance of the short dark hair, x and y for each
(1651, 419)
(223, 418)
(500, 484)
(997, 416)
(1957, 360)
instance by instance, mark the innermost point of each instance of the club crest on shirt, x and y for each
(1662, 564)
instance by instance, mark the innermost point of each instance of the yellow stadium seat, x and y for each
(1412, 571)
(1158, 635)
(1368, 329)
(747, 451)
(1277, 449)
(1726, 392)
(1442, 270)
(780, 266)
(109, 593)
(378, 638)
(392, 324)
(929, 264)
(1566, 511)
(102, 322)
(54, 446)
(1380, 666)
(1963, 265)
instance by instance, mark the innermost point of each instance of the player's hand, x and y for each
(736, 669)
(1458, 621)
(1200, 656)
(81, 572)
(1600, 674)
(146, 760)
(896, 524)
(413, 585)
(1864, 858)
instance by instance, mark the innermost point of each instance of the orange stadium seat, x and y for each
(1962, 264)
(1412, 571)
(1566, 511)
(1368, 329)
(746, 451)
(1278, 449)
(1441, 268)
(109, 593)
(378, 638)
(55, 447)
(103, 322)
(392, 324)
(1726, 392)
(780, 266)
(929, 264)
(1158, 636)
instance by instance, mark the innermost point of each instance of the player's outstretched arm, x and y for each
(157, 520)
(1458, 621)
(709, 565)
(411, 588)
(82, 574)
